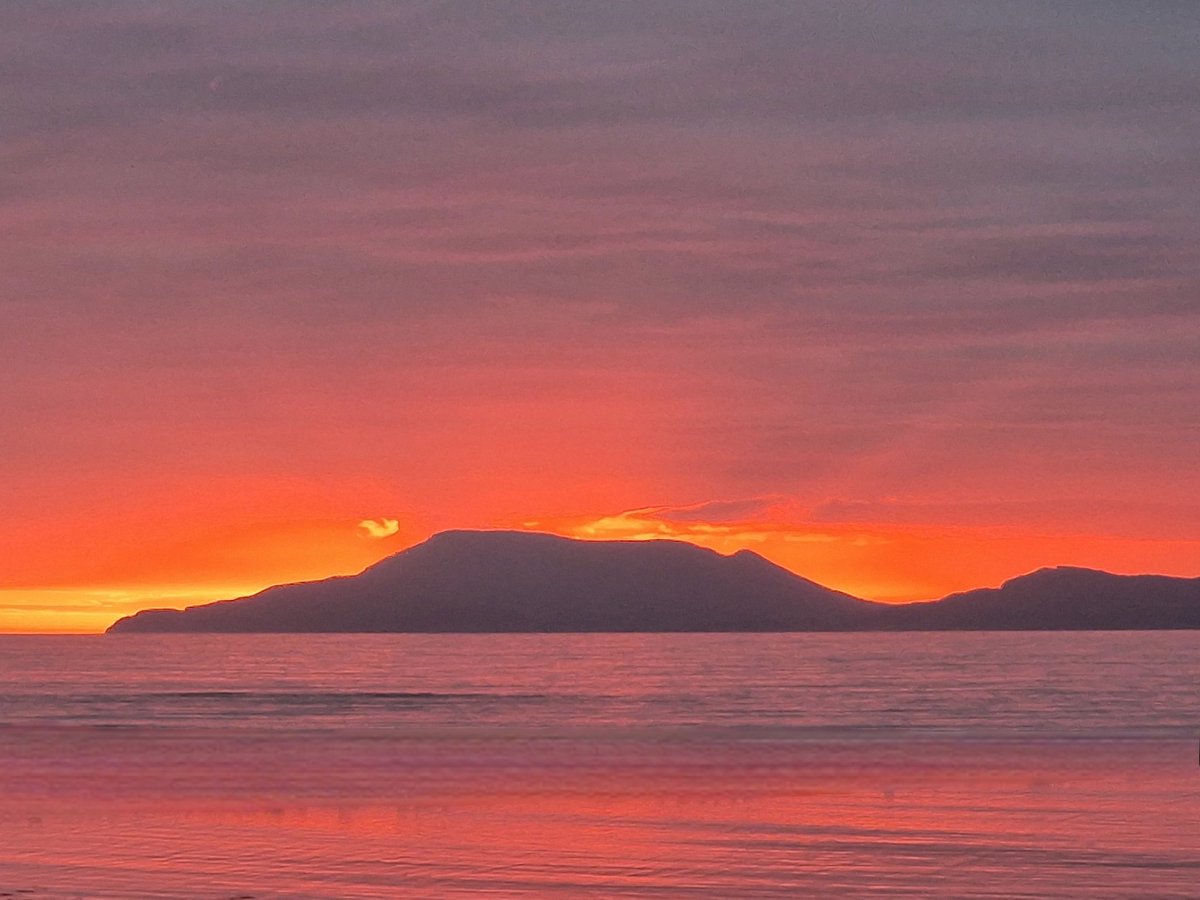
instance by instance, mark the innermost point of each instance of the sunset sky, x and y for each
(904, 296)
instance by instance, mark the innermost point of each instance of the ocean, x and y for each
(682, 765)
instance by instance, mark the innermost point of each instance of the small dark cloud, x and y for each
(1139, 517)
(711, 511)
(1102, 258)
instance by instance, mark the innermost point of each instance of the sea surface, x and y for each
(368, 766)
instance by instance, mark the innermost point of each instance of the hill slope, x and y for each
(1063, 598)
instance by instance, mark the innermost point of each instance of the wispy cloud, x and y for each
(379, 528)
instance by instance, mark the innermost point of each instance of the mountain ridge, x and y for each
(465, 581)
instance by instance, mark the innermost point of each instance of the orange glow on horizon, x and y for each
(884, 562)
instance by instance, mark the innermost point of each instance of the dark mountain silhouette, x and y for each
(1063, 598)
(496, 581)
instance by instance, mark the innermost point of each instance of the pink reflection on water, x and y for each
(367, 816)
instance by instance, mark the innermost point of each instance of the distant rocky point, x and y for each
(501, 581)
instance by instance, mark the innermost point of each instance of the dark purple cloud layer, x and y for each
(938, 249)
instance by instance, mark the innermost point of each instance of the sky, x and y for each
(903, 296)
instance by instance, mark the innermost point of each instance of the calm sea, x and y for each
(963, 765)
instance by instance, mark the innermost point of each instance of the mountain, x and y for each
(501, 581)
(496, 581)
(1061, 598)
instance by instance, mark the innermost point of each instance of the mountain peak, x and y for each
(1058, 574)
(483, 581)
